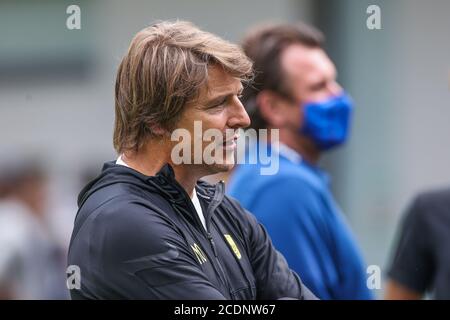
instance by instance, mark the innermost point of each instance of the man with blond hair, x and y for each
(147, 227)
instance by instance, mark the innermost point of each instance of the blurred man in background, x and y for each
(31, 264)
(421, 261)
(295, 91)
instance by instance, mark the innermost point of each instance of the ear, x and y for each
(272, 108)
(158, 130)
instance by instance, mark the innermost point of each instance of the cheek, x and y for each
(295, 117)
(215, 121)
(318, 95)
(199, 125)
(301, 116)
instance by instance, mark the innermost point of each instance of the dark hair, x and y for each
(264, 45)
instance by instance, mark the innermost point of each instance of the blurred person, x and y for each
(420, 263)
(295, 90)
(147, 227)
(30, 262)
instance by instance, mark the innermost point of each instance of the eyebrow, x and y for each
(323, 81)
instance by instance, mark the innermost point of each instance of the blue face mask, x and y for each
(327, 122)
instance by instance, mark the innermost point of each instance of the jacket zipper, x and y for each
(211, 207)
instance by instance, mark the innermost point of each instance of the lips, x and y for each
(231, 144)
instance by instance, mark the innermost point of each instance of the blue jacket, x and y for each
(139, 237)
(306, 225)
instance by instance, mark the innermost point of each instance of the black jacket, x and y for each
(139, 237)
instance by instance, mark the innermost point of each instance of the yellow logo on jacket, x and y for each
(201, 257)
(233, 246)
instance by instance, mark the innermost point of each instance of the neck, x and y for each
(186, 178)
(149, 162)
(304, 146)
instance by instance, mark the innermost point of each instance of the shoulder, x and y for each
(437, 197)
(298, 187)
(294, 191)
(429, 206)
(122, 204)
(123, 227)
(289, 179)
(134, 215)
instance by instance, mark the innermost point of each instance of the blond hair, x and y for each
(164, 68)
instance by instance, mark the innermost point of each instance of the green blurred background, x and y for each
(56, 94)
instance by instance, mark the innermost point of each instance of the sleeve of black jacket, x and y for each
(412, 263)
(143, 257)
(274, 278)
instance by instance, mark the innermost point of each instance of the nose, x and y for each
(335, 89)
(238, 117)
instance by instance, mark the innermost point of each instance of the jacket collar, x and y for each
(166, 183)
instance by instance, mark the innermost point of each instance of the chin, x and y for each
(224, 166)
(218, 168)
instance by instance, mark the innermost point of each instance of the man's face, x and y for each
(310, 77)
(217, 110)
